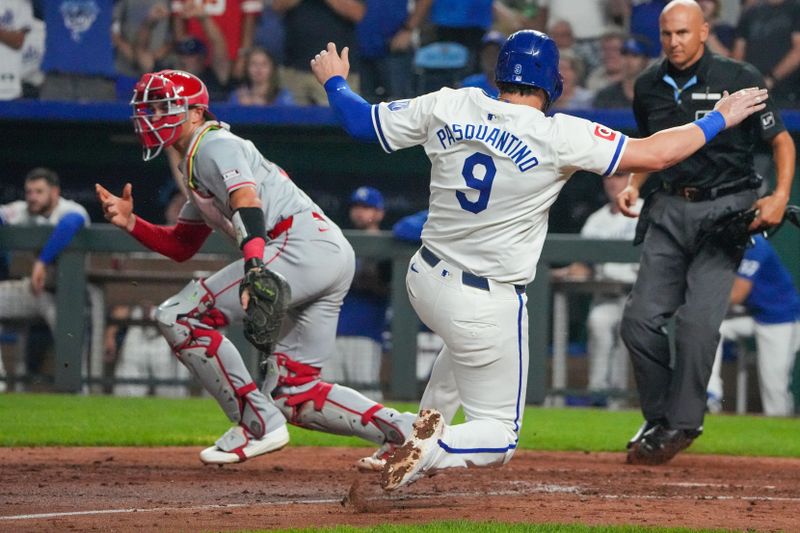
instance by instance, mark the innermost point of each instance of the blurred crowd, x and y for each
(257, 52)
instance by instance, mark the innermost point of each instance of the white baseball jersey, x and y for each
(217, 163)
(17, 214)
(14, 16)
(605, 224)
(496, 170)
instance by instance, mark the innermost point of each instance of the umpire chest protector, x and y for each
(665, 98)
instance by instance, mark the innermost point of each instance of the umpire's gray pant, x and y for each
(676, 277)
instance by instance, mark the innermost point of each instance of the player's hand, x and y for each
(38, 276)
(117, 210)
(328, 64)
(627, 199)
(769, 212)
(738, 106)
(401, 41)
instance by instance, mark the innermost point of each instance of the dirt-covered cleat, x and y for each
(645, 427)
(660, 444)
(237, 445)
(413, 459)
(376, 461)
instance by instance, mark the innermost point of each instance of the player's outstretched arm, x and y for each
(668, 147)
(179, 242)
(352, 110)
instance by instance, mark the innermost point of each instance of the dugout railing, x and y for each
(73, 273)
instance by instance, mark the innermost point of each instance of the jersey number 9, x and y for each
(483, 185)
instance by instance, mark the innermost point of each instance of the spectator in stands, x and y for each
(561, 32)
(608, 358)
(191, 55)
(359, 335)
(385, 41)
(643, 21)
(620, 94)
(768, 37)
(490, 48)
(79, 56)
(262, 84)
(235, 19)
(610, 70)
(32, 56)
(587, 19)
(15, 23)
(270, 32)
(127, 33)
(514, 15)
(721, 34)
(461, 21)
(764, 287)
(310, 25)
(575, 96)
(33, 297)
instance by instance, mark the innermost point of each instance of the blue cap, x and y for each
(368, 196)
(634, 46)
(190, 46)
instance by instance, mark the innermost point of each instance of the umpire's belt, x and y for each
(699, 194)
(466, 278)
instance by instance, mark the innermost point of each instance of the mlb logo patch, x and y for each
(604, 133)
(767, 120)
(230, 174)
(398, 105)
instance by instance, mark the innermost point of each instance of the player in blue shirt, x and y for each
(764, 287)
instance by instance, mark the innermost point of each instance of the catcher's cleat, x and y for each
(236, 446)
(660, 444)
(376, 461)
(411, 461)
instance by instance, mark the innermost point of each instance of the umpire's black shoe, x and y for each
(660, 444)
(646, 426)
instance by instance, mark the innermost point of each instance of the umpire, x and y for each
(682, 271)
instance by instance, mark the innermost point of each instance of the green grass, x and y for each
(499, 527)
(71, 420)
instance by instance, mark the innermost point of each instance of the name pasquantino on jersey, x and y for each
(502, 141)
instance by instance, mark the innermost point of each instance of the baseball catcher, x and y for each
(298, 267)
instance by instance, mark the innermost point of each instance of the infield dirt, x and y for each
(168, 489)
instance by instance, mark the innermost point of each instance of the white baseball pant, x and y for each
(484, 362)
(777, 346)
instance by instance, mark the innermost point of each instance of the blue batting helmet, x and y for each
(531, 58)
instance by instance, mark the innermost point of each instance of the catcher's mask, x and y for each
(161, 103)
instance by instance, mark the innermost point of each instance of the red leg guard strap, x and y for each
(213, 318)
(366, 418)
(301, 373)
(317, 394)
(243, 391)
(215, 340)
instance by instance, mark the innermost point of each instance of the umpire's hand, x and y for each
(328, 64)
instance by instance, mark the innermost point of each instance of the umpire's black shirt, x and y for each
(665, 97)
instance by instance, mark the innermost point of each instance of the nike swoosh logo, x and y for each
(323, 230)
(414, 268)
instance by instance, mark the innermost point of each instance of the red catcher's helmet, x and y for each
(161, 102)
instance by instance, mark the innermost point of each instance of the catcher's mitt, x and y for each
(270, 295)
(733, 229)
